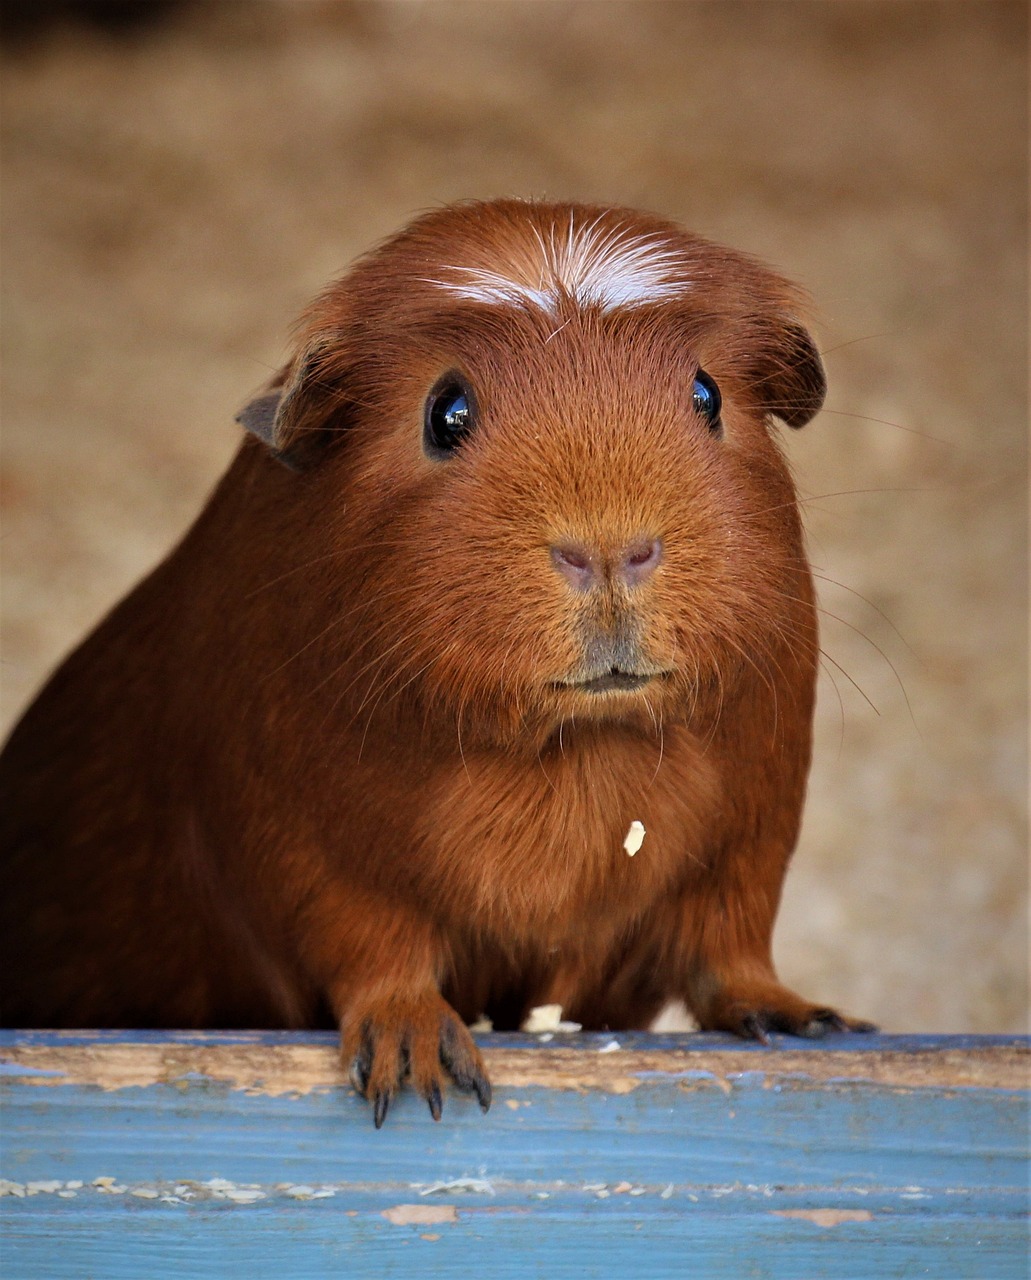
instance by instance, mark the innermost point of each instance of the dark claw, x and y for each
(468, 1079)
(380, 1109)
(361, 1067)
(864, 1028)
(471, 1082)
(436, 1102)
(753, 1026)
(484, 1093)
(822, 1021)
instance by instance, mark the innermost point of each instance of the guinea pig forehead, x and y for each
(581, 355)
(547, 257)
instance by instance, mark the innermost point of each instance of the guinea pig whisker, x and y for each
(855, 342)
(873, 645)
(877, 648)
(854, 683)
(809, 499)
(540, 761)
(804, 501)
(300, 568)
(887, 422)
(372, 709)
(746, 657)
(380, 659)
(841, 702)
(335, 622)
(859, 595)
(382, 693)
(458, 734)
(662, 748)
(392, 544)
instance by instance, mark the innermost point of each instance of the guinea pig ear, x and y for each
(794, 384)
(288, 415)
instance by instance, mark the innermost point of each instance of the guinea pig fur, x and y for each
(508, 559)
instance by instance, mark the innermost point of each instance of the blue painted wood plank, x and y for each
(791, 1135)
(688, 1168)
(564, 1237)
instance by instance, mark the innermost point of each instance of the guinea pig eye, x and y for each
(450, 416)
(707, 401)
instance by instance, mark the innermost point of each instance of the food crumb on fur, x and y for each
(634, 837)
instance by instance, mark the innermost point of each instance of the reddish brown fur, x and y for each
(317, 764)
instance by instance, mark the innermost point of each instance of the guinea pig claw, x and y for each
(470, 1079)
(822, 1021)
(484, 1093)
(361, 1068)
(825, 1020)
(461, 1060)
(435, 1101)
(753, 1027)
(380, 1106)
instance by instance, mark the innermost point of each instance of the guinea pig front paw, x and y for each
(756, 1013)
(418, 1038)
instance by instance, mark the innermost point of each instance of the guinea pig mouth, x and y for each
(613, 681)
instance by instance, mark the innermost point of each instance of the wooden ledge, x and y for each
(166, 1154)
(299, 1062)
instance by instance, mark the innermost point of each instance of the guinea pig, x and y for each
(509, 561)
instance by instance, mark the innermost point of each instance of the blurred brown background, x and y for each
(175, 190)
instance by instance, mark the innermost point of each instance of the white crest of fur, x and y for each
(603, 267)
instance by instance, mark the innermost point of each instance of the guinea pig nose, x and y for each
(577, 564)
(636, 563)
(586, 567)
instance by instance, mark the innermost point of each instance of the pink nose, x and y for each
(586, 567)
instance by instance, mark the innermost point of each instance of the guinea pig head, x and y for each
(544, 435)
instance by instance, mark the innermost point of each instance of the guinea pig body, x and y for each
(509, 560)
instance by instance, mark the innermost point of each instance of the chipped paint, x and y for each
(299, 1069)
(407, 1215)
(825, 1217)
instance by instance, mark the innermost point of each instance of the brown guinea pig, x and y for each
(508, 562)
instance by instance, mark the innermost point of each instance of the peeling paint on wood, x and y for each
(300, 1067)
(207, 1154)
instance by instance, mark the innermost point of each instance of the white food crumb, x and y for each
(481, 1186)
(634, 837)
(611, 1047)
(247, 1195)
(547, 1017)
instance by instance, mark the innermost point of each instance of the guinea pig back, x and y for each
(508, 560)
